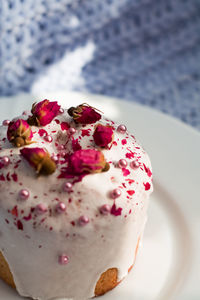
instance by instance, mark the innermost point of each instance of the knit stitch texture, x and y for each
(142, 50)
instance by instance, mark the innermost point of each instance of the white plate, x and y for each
(168, 264)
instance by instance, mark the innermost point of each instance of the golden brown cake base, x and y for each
(106, 282)
(5, 273)
(108, 279)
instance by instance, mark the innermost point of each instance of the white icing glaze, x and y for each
(107, 241)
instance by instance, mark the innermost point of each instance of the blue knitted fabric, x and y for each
(146, 50)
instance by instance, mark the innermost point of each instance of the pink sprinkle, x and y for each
(126, 172)
(67, 187)
(63, 259)
(115, 193)
(42, 132)
(48, 138)
(131, 192)
(4, 161)
(121, 128)
(116, 211)
(60, 207)
(72, 130)
(122, 163)
(41, 208)
(134, 164)
(105, 209)
(24, 194)
(124, 142)
(64, 126)
(55, 158)
(5, 122)
(147, 186)
(83, 220)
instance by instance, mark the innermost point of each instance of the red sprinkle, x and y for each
(124, 142)
(8, 176)
(147, 170)
(116, 211)
(64, 126)
(29, 217)
(126, 172)
(14, 177)
(131, 192)
(2, 178)
(147, 186)
(130, 181)
(20, 225)
(85, 132)
(14, 211)
(42, 132)
(75, 145)
(129, 155)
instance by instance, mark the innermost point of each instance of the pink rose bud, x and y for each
(87, 161)
(103, 135)
(84, 114)
(19, 133)
(39, 159)
(43, 112)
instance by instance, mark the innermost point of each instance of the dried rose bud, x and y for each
(43, 112)
(84, 114)
(87, 161)
(19, 133)
(39, 159)
(103, 135)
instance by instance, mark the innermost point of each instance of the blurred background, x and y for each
(146, 51)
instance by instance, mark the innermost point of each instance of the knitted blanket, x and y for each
(141, 50)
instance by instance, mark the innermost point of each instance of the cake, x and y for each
(74, 193)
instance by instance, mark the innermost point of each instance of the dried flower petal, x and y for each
(43, 112)
(39, 159)
(19, 133)
(103, 135)
(84, 114)
(86, 161)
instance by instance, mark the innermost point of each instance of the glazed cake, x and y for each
(74, 193)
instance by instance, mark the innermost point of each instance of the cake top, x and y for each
(68, 168)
